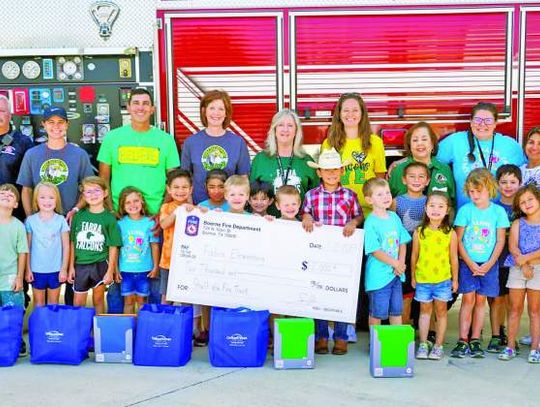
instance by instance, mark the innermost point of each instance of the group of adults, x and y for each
(139, 154)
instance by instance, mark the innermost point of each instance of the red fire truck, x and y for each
(410, 61)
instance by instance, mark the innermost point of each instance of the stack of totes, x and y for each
(392, 351)
(113, 338)
(294, 343)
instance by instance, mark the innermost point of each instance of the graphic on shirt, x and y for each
(90, 237)
(478, 236)
(359, 156)
(138, 155)
(391, 243)
(293, 180)
(135, 249)
(214, 157)
(467, 166)
(54, 170)
(8, 150)
(358, 168)
(441, 179)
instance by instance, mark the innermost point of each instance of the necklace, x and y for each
(488, 166)
(284, 173)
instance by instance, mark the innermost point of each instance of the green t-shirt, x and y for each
(93, 234)
(267, 169)
(139, 159)
(441, 178)
(13, 242)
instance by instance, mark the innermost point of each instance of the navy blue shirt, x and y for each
(11, 155)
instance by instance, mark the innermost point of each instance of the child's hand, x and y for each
(17, 284)
(108, 278)
(153, 274)
(528, 271)
(29, 276)
(188, 207)
(349, 228)
(203, 209)
(63, 276)
(520, 260)
(476, 270)
(307, 224)
(455, 286)
(218, 209)
(157, 228)
(413, 282)
(483, 269)
(71, 275)
(117, 277)
(269, 218)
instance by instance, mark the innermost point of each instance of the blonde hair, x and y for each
(481, 178)
(100, 182)
(58, 208)
(237, 181)
(373, 183)
(289, 190)
(271, 143)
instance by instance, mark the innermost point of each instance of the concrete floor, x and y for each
(335, 381)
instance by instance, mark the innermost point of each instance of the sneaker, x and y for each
(507, 354)
(423, 350)
(534, 356)
(351, 334)
(23, 351)
(201, 340)
(437, 353)
(476, 349)
(495, 345)
(461, 350)
(525, 340)
(503, 336)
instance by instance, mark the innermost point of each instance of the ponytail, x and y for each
(470, 139)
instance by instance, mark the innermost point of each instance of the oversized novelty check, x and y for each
(233, 260)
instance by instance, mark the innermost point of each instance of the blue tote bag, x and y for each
(238, 337)
(60, 334)
(11, 323)
(163, 336)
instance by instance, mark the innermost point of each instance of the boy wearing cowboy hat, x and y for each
(331, 204)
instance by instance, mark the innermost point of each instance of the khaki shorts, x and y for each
(517, 280)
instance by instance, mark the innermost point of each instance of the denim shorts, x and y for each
(135, 284)
(386, 301)
(164, 280)
(42, 281)
(487, 285)
(427, 292)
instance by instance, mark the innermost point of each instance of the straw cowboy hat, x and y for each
(329, 159)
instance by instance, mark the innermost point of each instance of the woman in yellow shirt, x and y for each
(350, 134)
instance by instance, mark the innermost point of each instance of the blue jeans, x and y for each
(321, 330)
(115, 301)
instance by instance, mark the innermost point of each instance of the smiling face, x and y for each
(508, 185)
(8, 200)
(416, 179)
(140, 109)
(285, 132)
(436, 208)
(483, 124)
(94, 195)
(237, 196)
(56, 128)
(133, 205)
(331, 177)
(289, 206)
(420, 144)
(180, 189)
(532, 148)
(528, 203)
(260, 202)
(350, 114)
(215, 113)
(46, 199)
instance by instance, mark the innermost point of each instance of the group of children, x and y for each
(418, 243)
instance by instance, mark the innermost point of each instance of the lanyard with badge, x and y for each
(490, 162)
(284, 175)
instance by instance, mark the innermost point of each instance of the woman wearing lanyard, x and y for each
(284, 161)
(420, 145)
(478, 147)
